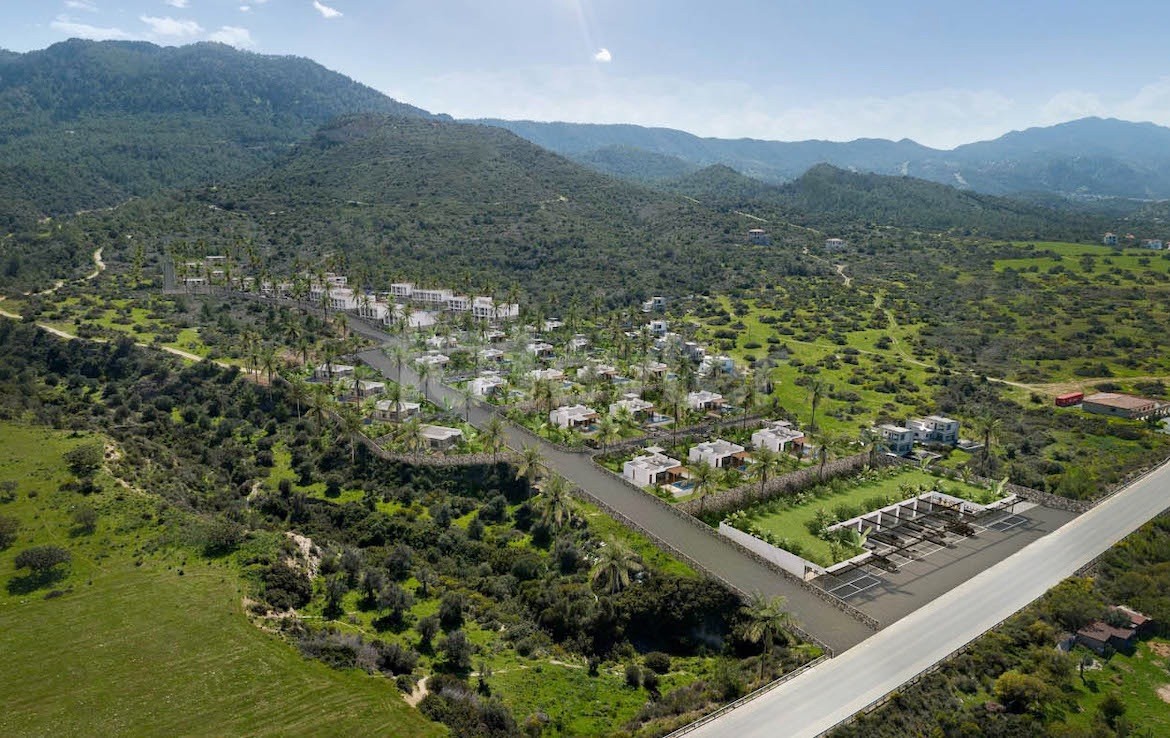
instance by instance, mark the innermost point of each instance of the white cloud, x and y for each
(245, 8)
(177, 3)
(171, 26)
(85, 5)
(241, 38)
(326, 11)
(603, 56)
(73, 29)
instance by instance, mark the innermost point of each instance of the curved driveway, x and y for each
(837, 629)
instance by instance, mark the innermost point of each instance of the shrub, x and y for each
(42, 559)
(657, 661)
(8, 528)
(633, 676)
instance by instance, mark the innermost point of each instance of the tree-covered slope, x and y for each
(829, 197)
(459, 205)
(89, 124)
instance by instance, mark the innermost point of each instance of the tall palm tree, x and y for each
(704, 478)
(558, 505)
(320, 400)
(987, 427)
(299, 390)
(269, 362)
(871, 441)
(766, 463)
(675, 396)
(423, 369)
(815, 389)
(493, 437)
(467, 396)
(749, 395)
(766, 622)
(531, 464)
(409, 436)
(351, 425)
(614, 567)
(608, 431)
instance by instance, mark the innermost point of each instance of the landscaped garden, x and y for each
(798, 524)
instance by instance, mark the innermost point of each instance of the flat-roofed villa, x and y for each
(439, 437)
(653, 469)
(328, 371)
(395, 412)
(719, 453)
(703, 400)
(777, 436)
(572, 416)
(636, 406)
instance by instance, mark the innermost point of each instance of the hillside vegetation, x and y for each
(88, 124)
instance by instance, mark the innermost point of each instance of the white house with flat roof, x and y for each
(486, 384)
(777, 436)
(441, 342)
(658, 327)
(636, 406)
(433, 358)
(704, 400)
(572, 416)
(649, 470)
(374, 309)
(540, 349)
(439, 437)
(491, 355)
(435, 298)
(596, 371)
(834, 244)
(360, 389)
(719, 453)
(392, 412)
(546, 375)
(486, 308)
(402, 290)
(899, 440)
(652, 370)
(459, 303)
(935, 429)
(654, 304)
(329, 371)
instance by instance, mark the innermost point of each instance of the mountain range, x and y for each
(1087, 158)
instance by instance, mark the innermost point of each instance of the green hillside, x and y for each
(430, 200)
(89, 124)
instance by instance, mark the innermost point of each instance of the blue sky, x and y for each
(939, 72)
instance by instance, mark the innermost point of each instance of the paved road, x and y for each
(837, 629)
(836, 689)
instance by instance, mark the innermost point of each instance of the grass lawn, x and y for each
(1136, 679)
(786, 520)
(133, 647)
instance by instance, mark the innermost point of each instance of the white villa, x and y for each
(834, 244)
(491, 354)
(599, 371)
(441, 342)
(899, 440)
(547, 375)
(540, 349)
(329, 371)
(704, 400)
(486, 385)
(777, 436)
(360, 389)
(652, 469)
(439, 437)
(634, 404)
(935, 429)
(393, 412)
(658, 327)
(572, 416)
(578, 342)
(656, 303)
(651, 370)
(433, 358)
(435, 298)
(719, 453)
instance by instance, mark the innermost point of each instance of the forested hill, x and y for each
(465, 206)
(831, 198)
(88, 124)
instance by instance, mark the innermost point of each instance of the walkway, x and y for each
(823, 697)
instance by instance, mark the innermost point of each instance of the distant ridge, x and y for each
(1091, 157)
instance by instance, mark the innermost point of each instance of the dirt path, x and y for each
(416, 696)
(841, 273)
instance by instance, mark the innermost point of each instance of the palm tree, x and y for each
(269, 362)
(299, 390)
(608, 431)
(871, 440)
(674, 396)
(704, 478)
(320, 401)
(531, 464)
(558, 505)
(614, 567)
(410, 437)
(816, 388)
(351, 425)
(749, 398)
(466, 395)
(766, 463)
(825, 447)
(423, 369)
(543, 394)
(767, 622)
(987, 427)
(493, 437)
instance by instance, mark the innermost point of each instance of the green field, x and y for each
(788, 519)
(1136, 679)
(152, 643)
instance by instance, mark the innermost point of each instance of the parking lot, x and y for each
(908, 576)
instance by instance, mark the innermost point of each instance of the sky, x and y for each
(942, 72)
